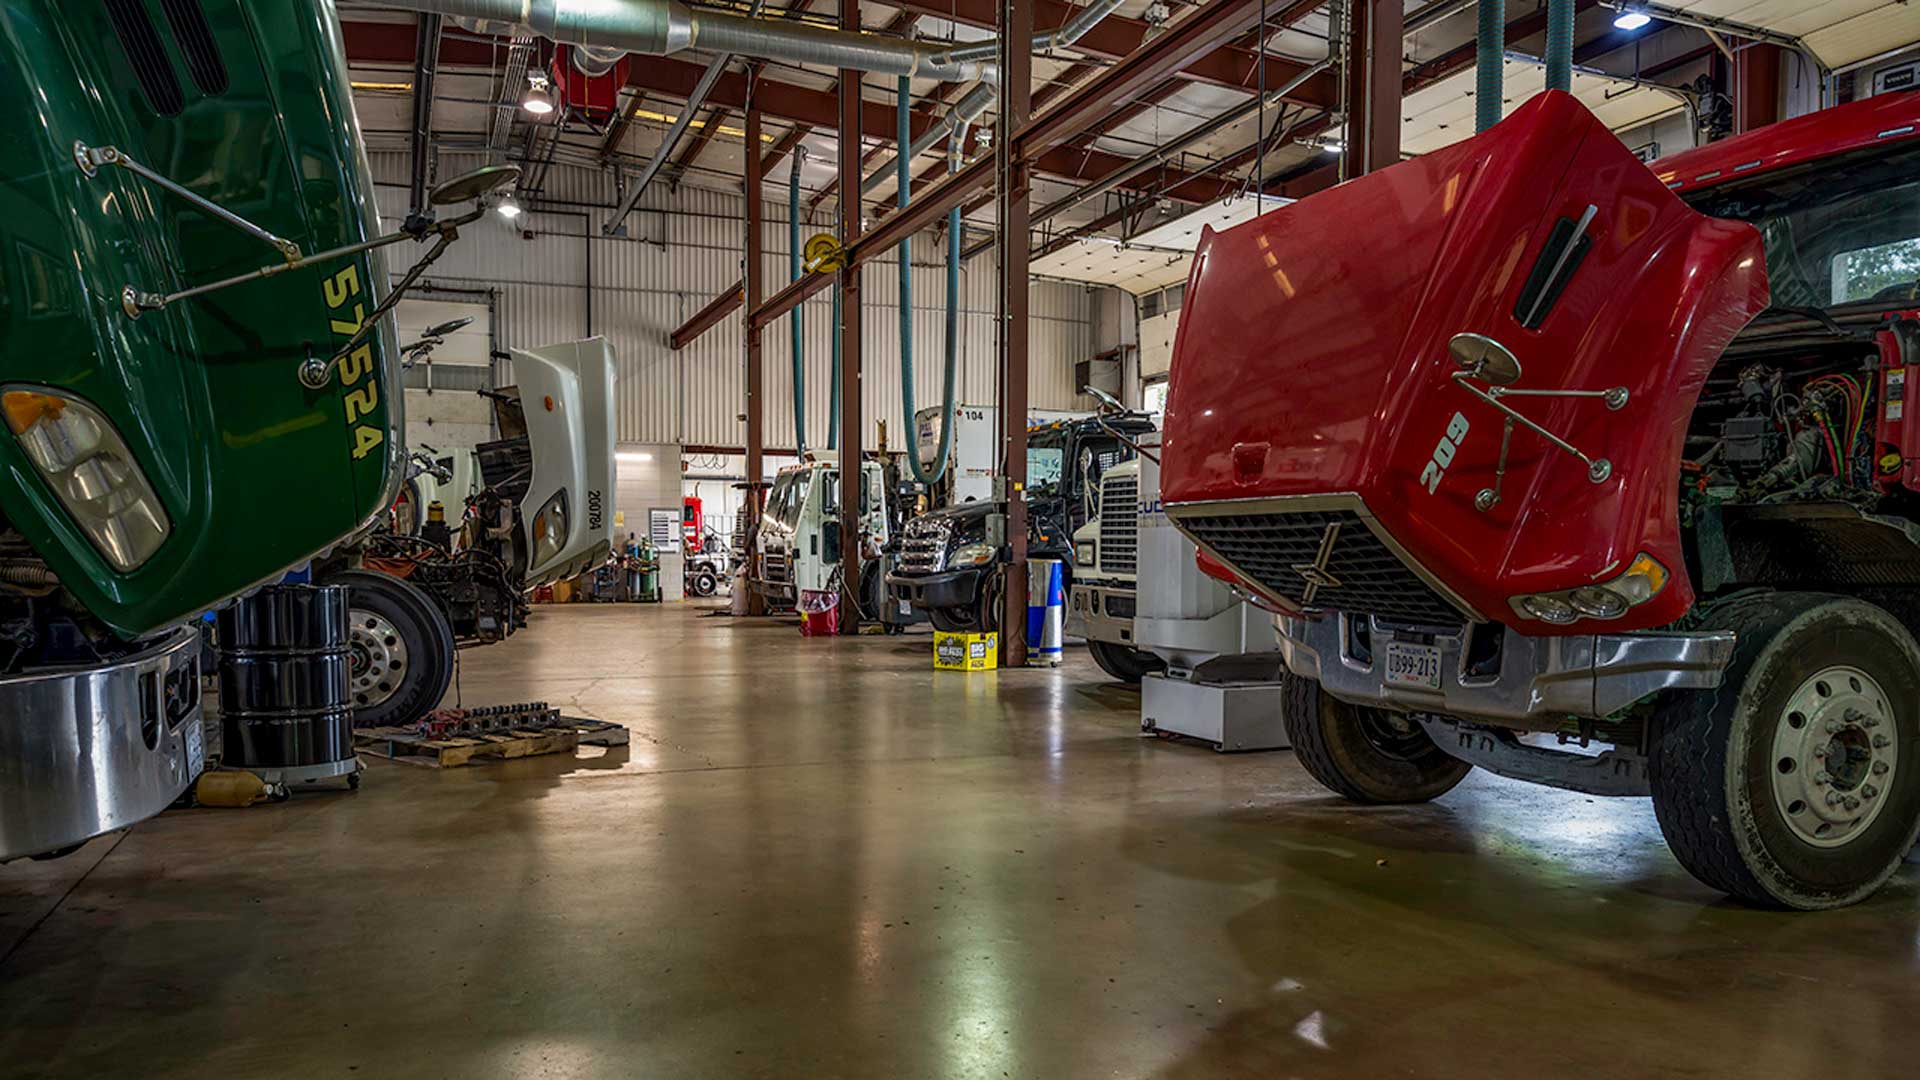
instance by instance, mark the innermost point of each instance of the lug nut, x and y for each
(1822, 779)
(1834, 726)
(1869, 791)
(1853, 716)
(1820, 751)
(1853, 803)
(1833, 798)
(1870, 722)
(1879, 768)
(1881, 742)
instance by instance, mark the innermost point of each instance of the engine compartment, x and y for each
(1798, 466)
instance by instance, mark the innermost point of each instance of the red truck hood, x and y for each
(1312, 385)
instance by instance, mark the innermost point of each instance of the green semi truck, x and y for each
(196, 366)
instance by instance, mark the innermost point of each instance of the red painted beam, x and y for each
(393, 43)
(1117, 36)
(883, 237)
(1196, 34)
(710, 316)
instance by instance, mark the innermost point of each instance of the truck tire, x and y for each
(703, 581)
(1362, 754)
(1127, 665)
(1797, 783)
(980, 617)
(402, 648)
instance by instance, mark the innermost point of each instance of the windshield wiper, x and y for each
(1825, 320)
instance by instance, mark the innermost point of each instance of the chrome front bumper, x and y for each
(1536, 681)
(1087, 615)
(85, 751)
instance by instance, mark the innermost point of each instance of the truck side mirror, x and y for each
(1485, 359)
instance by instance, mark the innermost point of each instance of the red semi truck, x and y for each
(1590, 473)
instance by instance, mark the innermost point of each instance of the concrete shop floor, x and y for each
(818, 859)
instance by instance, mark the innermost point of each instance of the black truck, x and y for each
(945, 560)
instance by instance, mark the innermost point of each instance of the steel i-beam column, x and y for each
(1373, 74)
(756, 400)
(849, 331)
(1015, 196)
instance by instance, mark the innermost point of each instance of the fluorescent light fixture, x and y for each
(1334, 146)
(508, 208)
(633, 455)
(538, 101)
(1631, 19)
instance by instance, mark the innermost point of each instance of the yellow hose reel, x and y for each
(824, 254)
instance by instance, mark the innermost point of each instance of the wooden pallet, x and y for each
(401, 744)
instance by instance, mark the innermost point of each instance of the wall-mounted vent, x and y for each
(195, 37)
(146, 56)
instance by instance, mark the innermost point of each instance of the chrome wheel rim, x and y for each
(1835, 756)
(378, 658)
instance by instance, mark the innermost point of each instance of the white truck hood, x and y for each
(566, 393)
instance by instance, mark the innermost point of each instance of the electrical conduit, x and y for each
(795, 322)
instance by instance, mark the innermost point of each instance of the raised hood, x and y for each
(1312, 383)
(566, 392)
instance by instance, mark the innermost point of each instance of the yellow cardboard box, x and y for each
(965, 652)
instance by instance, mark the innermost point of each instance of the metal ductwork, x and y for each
(1064, 36)
(665, 27)
(965, 112)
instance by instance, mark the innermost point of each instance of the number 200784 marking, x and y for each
(1436, 469)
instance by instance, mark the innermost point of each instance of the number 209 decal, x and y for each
(1448, 446)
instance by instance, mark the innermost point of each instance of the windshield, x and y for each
(1842, 231)
(783, 502)
(1044, 465)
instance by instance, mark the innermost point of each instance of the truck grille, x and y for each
(774, 566)
(1361, 574)
(923, 546)
(1119, 525)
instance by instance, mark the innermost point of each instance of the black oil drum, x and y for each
(284, 703)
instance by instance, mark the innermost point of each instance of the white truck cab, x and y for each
(799, 542)
(1106, 559)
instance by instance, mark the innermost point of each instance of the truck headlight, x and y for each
(1642, 580)
(972, 555)
(91, 471)
(1083, 553)
(550, 529)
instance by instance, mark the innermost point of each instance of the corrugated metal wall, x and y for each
(682, 250)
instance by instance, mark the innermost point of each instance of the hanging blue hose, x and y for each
(1490, 49)
(904, 177)
(833, 400)
(798, 326)
(1560, 44)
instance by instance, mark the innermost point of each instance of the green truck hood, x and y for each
(257, 473)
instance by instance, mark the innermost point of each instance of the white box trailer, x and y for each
(976, 442)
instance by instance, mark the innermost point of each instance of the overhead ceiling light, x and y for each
(508, 208)
(1631, 18)
(538, 101)
(1333, 146)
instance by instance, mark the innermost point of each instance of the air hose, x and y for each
(904, 178)
(1560, 45)
(794, 270)
(1490, 51)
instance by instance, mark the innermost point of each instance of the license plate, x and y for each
(1413, 665)
(906, 608)
(196, 748)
